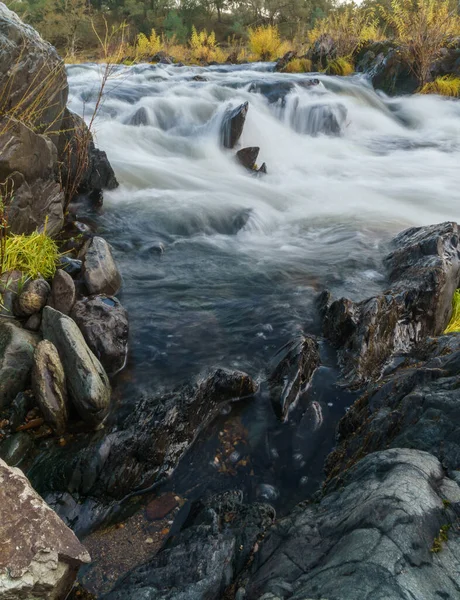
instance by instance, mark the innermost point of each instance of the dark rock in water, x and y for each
(232, 125)
(314, 119)
(17, 348)
(199, 78)
(232, 58)
(239, 221)
(297, 362)
(144, 447)
(263, 169)
(322, 51)
(87, 382)
(49, 385)
(162, 57)
(387, 67)
(32, 298)
(140, 117)
(415, 406)
(423, 272)
(282, 63)
(376, 535)
(70, 265)
(202, 560)
(247, 157)
(104, 324)
(276, 91)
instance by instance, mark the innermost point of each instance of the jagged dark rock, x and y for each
(297, 362)
(82, 480)
(232, 125)
(423, 272)
(247, 157)
(322, 51)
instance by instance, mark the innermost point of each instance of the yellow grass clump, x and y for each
(339, 66)
(204, 47)
(265, 43)
(148, 46)
(35, 254)
(298, 65)
(444, 86)
(454, 323)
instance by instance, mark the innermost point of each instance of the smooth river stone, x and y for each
(100, 271)
(87, 382)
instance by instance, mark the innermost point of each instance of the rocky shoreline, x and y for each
(386, 523)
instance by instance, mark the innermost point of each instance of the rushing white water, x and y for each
(317, 219)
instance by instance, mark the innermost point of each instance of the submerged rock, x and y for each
(232, 125)
(140, 117)
(298, 361)
(49, 386)
(17, 348)
(87, 382)
(314, 119)
(101, 274)
(104, 324)
(372, 537)
(40, 556)
(423, 272)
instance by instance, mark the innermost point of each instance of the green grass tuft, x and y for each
(454, 323)
(443, 86)
(35, 254)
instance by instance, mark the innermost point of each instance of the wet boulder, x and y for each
(296, 363)
(32, 297)
(202, 560)
(49, 386)
(62, 292)
(377, 534)
(101, 274)
(388, 69)
(315, 119)
(140, 117)
(423, 271)
(17, 347)
(87, 383)
(247, 157)
(40, 556)
(10, 283)
(282, 62)
(104, 324)
(232, 125)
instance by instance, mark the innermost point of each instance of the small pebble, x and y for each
(149, 541)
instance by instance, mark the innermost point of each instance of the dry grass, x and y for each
(444, 86)
(339, 66)
(422, 27)
(298, 65)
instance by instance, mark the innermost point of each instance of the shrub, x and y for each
(204, 47)
(35, 254)
(444, 86)
(454, 323)
(265, 43)
(339, 66)
(148, 46)
(350, 27)
(298, 65)
(422, 27)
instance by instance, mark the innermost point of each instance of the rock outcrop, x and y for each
(39, 555)
(232, 125)
(423, 272)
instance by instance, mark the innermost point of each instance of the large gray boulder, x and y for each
(39, 556)
(101, 274)
(387, 532)
(87, 382)
(32, 73)
(17, 348)
(104, 324)
(423, 270)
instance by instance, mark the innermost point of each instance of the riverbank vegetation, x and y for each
(208, 31)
